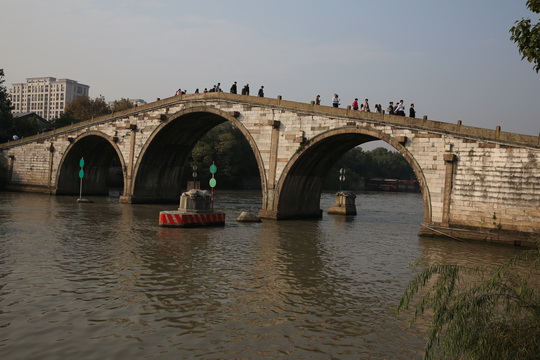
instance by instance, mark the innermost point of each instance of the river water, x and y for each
(104, 281)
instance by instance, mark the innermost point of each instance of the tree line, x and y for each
(237, 167)
(84, 108)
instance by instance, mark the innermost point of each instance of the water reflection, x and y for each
(103, 280)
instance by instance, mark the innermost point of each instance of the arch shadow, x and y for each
(103, 167)
(158, 170)
(300, 185)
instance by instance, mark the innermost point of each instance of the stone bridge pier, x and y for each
(476, 183)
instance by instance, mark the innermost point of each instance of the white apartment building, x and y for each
(45, 96)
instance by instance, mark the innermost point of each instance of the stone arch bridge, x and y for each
(476, 183)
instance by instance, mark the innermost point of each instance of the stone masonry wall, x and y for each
(496, 186)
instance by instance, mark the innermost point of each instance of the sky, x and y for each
(453, 59)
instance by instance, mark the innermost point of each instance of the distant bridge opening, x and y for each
(102, 170)
(300, 191)
(363, 165)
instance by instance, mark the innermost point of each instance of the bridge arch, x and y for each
(300, 186)
(103, 168)
(158, 170)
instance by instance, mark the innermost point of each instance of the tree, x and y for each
(527, 36)
(479, 313)
(83, 108)
(27, 125)
(6, 118)
(226, 146)
(377, 163)
(64, 120)
(122, 104)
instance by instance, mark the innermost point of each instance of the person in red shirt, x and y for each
(355, 104)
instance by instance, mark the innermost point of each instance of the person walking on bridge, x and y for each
(355, 104)
(318, 100)
(261, 91)
(366, 106)
(390, 108)
(335, 100)
(233, 88)
(400, 109)
(412, 112)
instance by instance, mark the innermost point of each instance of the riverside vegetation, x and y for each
(477, 312)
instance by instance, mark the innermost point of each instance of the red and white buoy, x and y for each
(179, 219)
(196, 210)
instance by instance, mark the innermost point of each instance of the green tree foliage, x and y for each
(527, 36)
(377, 163)
(122, 104)
(237, 167)
(26, 126)
(228, 149)
(83, 108)
(479, 313)
(6, 119)
(64, 120)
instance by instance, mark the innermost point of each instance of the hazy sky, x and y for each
(453, 59)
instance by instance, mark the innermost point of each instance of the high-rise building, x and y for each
(45, 96)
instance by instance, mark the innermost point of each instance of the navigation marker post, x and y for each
(345, 200)
(341, 177)
(212, 182)
(81, 175)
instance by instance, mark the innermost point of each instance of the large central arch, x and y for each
(300, 185)
(158, 171)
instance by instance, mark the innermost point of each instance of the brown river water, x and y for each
(104, 281)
